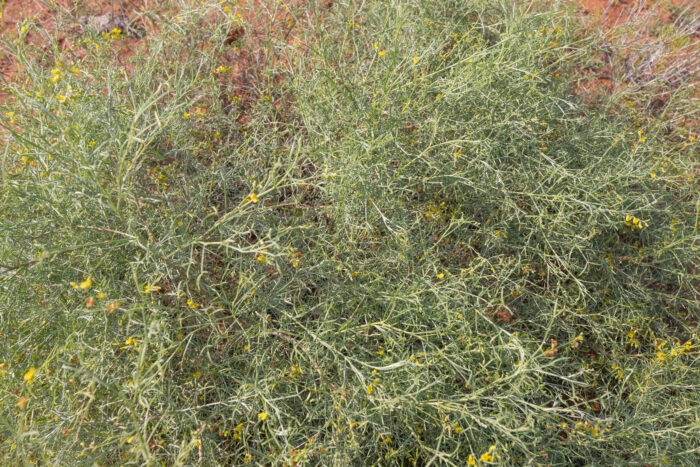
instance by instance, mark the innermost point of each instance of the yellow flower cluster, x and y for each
(130, 342)
(114, 34)
(261, 256)
(221, 69)
(677, 350)
(632, 338)
(485, 457)
(381, 52)
(86, 284)
(634, 223)
(56, 75)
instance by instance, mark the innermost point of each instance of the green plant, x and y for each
(403, 241)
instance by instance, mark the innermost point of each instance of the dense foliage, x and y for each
(404, 239)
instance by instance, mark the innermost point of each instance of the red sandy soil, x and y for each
(15, 12)
(262, 20)
(646, 17)
(610, 13)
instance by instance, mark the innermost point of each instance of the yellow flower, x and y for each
(370, 389)
(253, 197)
(441, 275)
(382, 53)
(487, 456)
(60, 98)
(415, 59)
(56, 75)
(470, 461)
(458, 430)
(29, 375)
(262, 416)
(261, 257)
(86, 284)
(100, 295)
